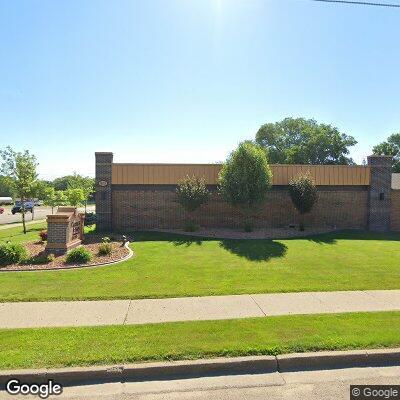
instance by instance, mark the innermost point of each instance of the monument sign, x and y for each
(64, 229)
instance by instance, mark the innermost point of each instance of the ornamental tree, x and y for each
(54, 198)
(75, 197)
(303, 193)
(191, 193)
(20, 168)
(245, 177)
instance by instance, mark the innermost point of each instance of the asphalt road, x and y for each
(304, 385)
(40, 214)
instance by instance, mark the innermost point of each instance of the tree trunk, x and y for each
(52, 210)
(23, 214)
(247, 213)
(301, 222)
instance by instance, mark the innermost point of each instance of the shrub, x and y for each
(12, 253)
(79, 255)
(303, 193)
(90, 219)
(43, 235)
(42, 258)
(190, 227)
(105, 248)
(245, 178)
(248, 227)
(192, 192)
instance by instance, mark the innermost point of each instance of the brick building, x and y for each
(142, 196)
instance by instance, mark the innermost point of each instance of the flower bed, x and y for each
(39, 259)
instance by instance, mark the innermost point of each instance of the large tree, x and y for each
(20, 167)
(245, 177)
(391, 147)
(304, 141)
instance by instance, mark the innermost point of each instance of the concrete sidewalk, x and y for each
(118, 312)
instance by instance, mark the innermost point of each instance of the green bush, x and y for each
(12, 253)
(190, 227)
(192, 192)
(90, 219)
(245, 177)
(303, 193)
(248, 227)
(105, 249)
(39, 259)
(79, 255)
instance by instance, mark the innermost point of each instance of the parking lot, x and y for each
(39, 214)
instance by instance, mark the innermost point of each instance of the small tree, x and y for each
(53, 198)
(246, 177)
(192, 192)
(86, 184)
(60, 198)
(303, 193)
(20, 167)
(75, 197)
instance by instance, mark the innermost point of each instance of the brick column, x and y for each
(103, 191)
(379, 192)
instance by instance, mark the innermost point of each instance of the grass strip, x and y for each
(62, 347)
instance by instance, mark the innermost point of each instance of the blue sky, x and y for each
(186, 80)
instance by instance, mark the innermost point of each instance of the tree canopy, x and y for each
(20, 168)
(304, 141)
(391, 147)
(6, 186)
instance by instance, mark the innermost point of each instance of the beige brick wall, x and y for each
(147, 208)
(395, 211)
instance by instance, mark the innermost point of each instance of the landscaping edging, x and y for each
(126, 245)
(217, 366)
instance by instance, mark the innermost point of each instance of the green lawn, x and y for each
(173, 266)
(57, 347)
(16, 234)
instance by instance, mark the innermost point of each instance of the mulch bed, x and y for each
(37, 249)
(273, 233)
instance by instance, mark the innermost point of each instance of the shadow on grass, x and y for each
(255, 250)
(352, 234)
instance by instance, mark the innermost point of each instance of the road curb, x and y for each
(210, 367)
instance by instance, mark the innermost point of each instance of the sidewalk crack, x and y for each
(258, 305)
(127, 312)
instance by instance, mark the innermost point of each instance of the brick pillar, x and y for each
(103, 191)
(379, 192)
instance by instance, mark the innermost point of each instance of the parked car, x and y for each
(6, 200)
(1, 210)
(38, 203)
(18, 207)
